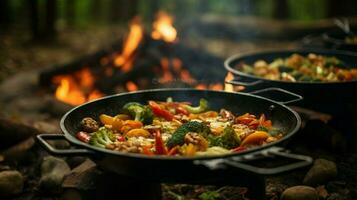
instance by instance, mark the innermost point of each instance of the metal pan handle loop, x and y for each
(296, 97)
(43, 137)
(303, 161)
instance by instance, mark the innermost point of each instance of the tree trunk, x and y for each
(154, 8)
(122, 10)
(4, 13)
(96, 9)
(341, 8)
(51, 13)
(34, 19)
(281, 9)
(70, 12)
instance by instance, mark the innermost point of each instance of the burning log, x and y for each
(56, 107)
(47, 74)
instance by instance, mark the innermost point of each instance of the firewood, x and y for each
(12, 132)
(56, 107)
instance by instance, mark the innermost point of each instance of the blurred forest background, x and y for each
(46, 17)
(41, 32)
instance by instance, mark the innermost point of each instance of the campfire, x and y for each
(144, 61)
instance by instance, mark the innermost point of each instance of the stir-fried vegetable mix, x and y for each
(351, 39)
(298, 68)
(177, 128)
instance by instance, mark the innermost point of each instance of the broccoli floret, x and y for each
(102, 137)
(139, 112)
(227, 140)
(201, 108)
(178, 137)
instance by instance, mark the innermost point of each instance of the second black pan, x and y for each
(313, 93)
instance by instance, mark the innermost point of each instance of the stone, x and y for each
(53, 171)
(13, 132)
(322, 192)
(74, 161)
(19, 151)
(11, 183)
(82, 177)
(322, 171)
(300, 193)
(48, 127)
(71, 194)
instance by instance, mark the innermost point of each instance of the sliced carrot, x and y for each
(354, 72)
(209, 114)
(117, 123)
(122, 116)
(190, 150)
(255, 138)
(136, 132)
(133, 123)
(106, 119)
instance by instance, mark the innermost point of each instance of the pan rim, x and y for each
(229, 60)
(72, 139)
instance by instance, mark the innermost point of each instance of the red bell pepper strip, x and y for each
(239, 149)
(173, 151)
(245, 119)
(158, 111)
(181, 110)
(120, 138)
(160, 148)
(147, 151)
(83, 136)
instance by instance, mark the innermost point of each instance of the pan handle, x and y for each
(244, 83)
(43, 137)
(302, 161)
(295, 97)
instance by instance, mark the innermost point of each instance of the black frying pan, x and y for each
(165, 168)
(336, 39)
(313, 93)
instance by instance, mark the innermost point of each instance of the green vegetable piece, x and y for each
(178, 137)
(199, 109)
(262, 128)
(228, 140)
(209, 195)
(139, 112)
(102, 137)
(274, 132)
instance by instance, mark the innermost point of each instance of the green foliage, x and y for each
(307, 10)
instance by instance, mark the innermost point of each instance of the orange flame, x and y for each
(229, 87)
(167, 74)
(76, 89)
(131, 86)
(131, 43)
(163, 28)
